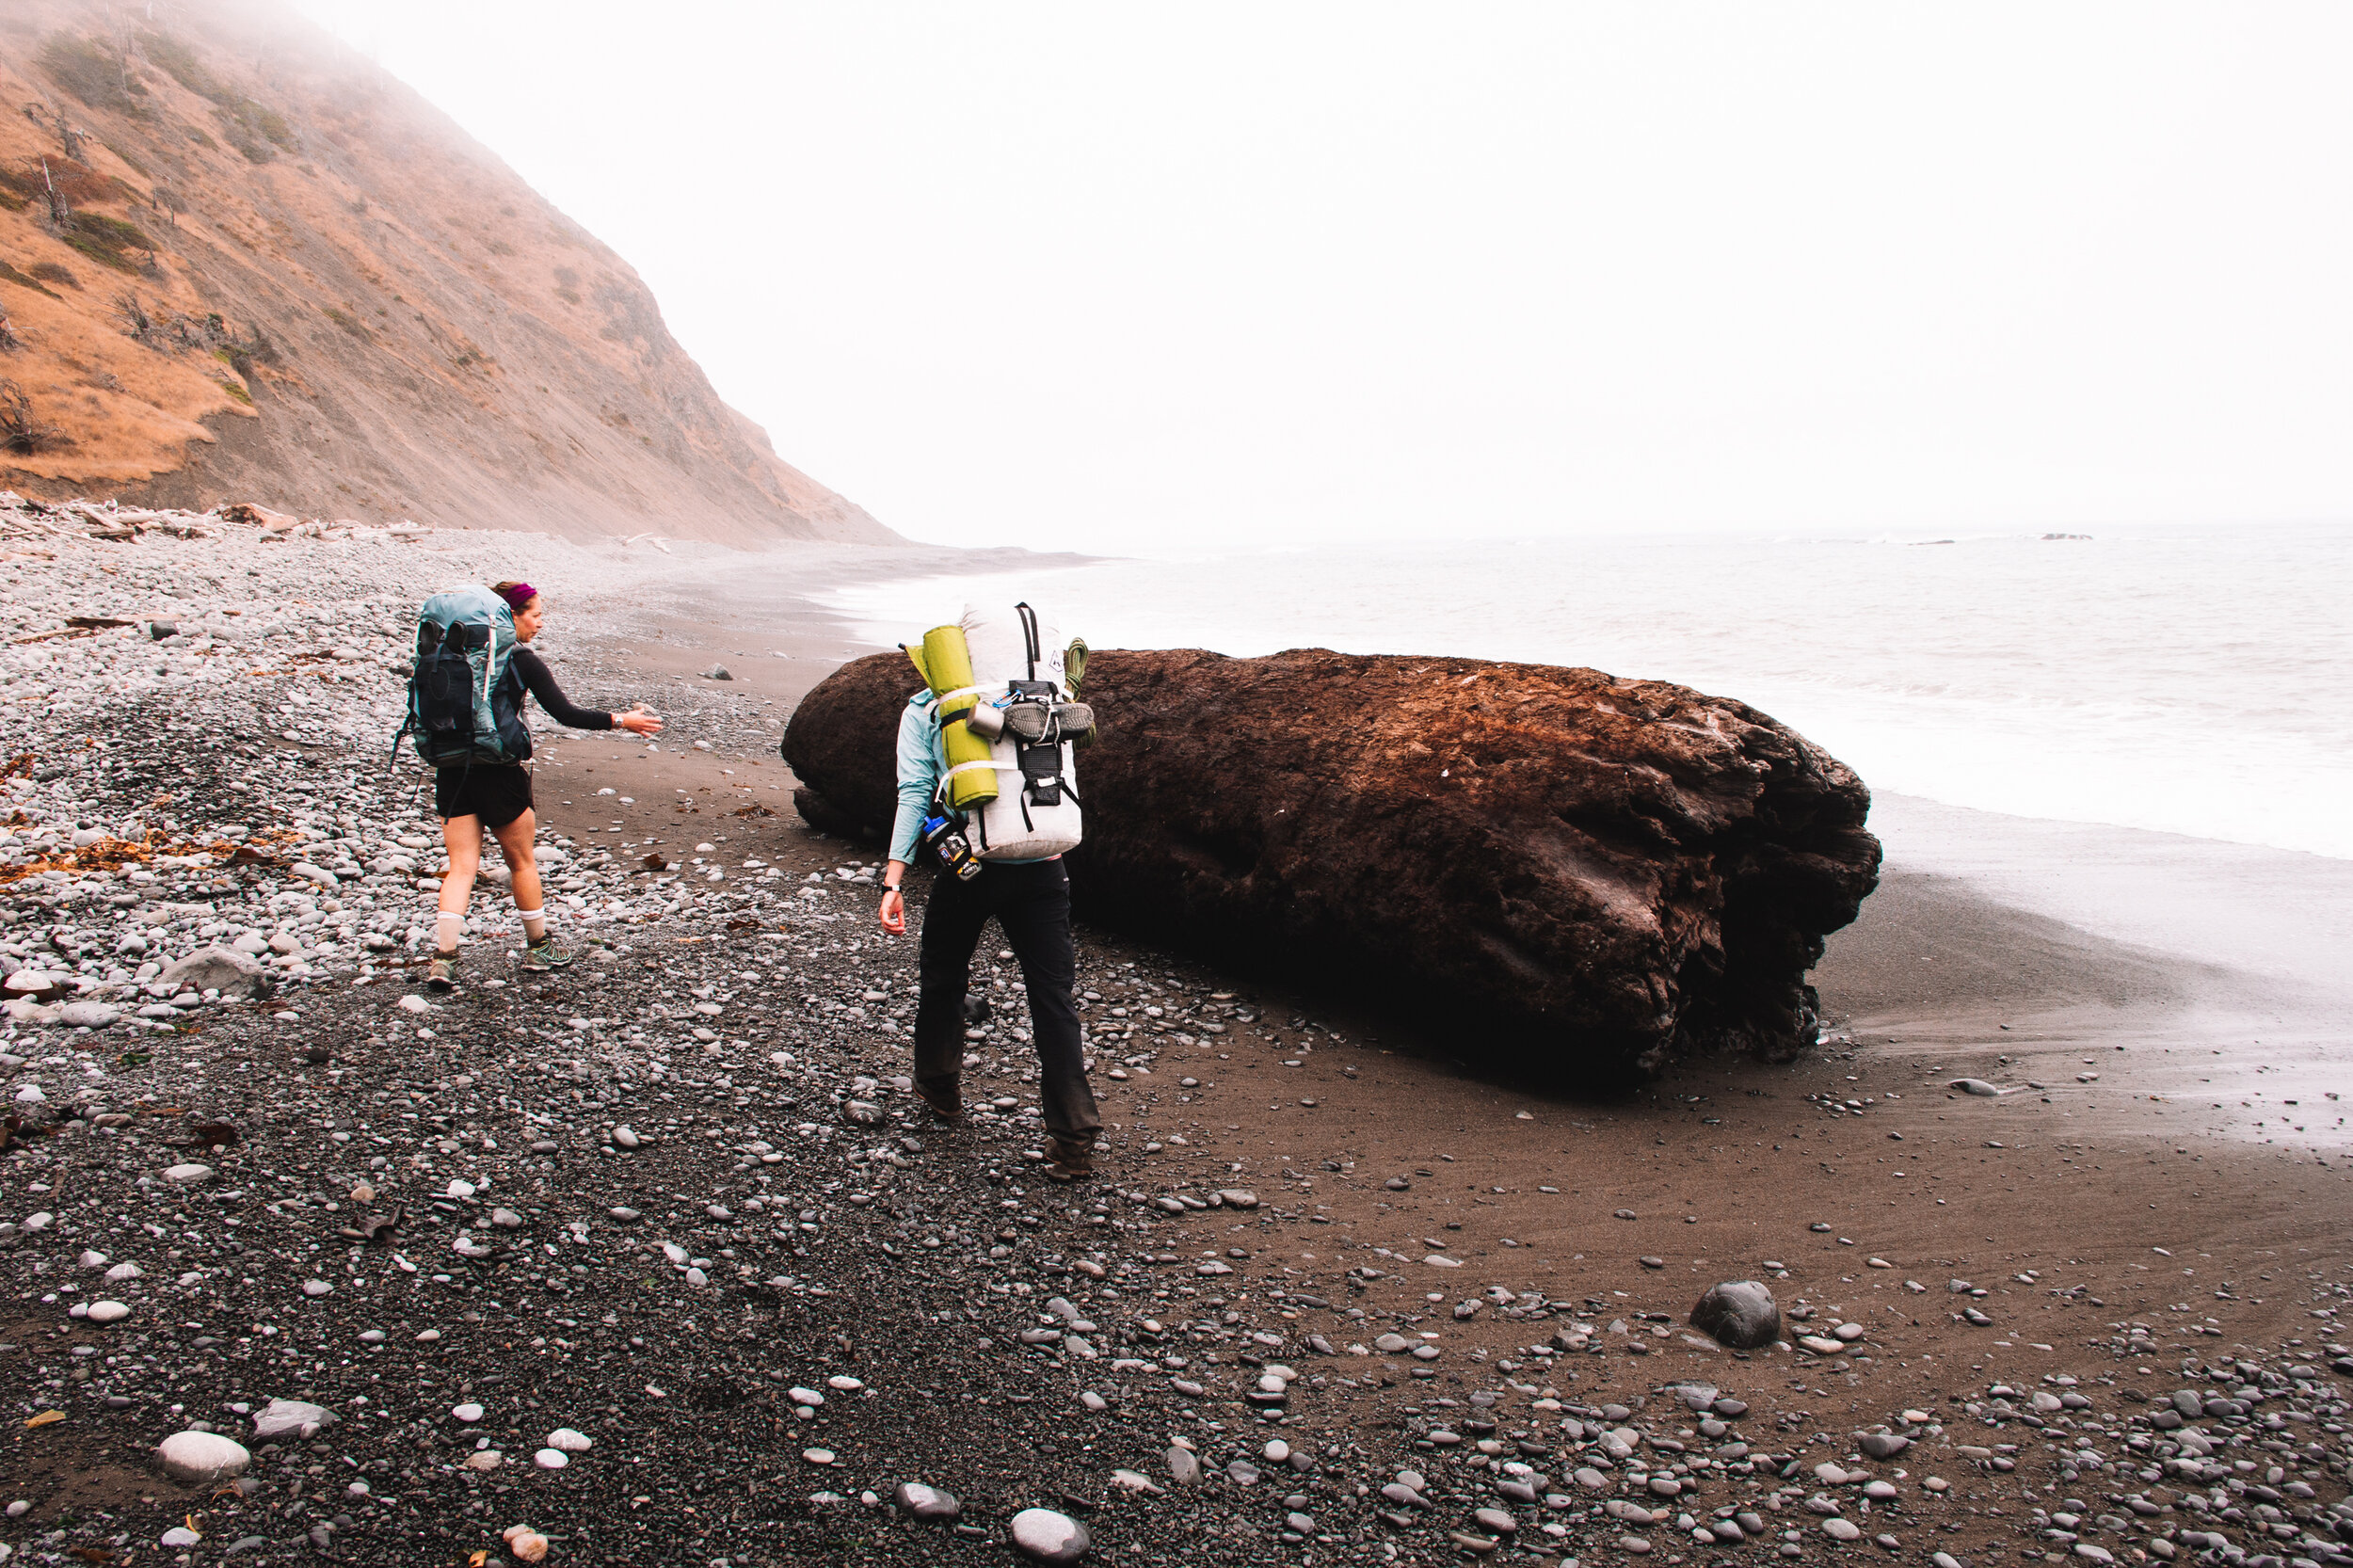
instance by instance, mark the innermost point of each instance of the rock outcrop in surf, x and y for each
(1565, 875)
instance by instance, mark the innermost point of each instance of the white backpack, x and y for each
(1026, 713)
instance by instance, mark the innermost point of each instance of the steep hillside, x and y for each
(238, 262)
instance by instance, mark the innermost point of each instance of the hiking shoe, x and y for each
(946, 1103)
(1069, 1160)
(442, 974)
(542, 956)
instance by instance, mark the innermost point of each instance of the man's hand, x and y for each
(637, 721)
(894, 912)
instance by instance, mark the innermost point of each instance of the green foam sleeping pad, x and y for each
(946, 665)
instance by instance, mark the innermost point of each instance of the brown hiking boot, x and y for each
(1067, 1160)
(945, 1102)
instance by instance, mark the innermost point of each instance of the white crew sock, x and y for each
(535, 923)
(446, 929)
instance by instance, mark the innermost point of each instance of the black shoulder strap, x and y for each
(1029, 632)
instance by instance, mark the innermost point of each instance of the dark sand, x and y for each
(2148, 1161)
(2156, 1201)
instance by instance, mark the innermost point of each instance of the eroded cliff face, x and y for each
(238, 262)
(1566, 874)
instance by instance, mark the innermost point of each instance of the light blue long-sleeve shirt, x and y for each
(922, 763)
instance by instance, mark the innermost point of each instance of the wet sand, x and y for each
(2166, 1151)
(2151, 1097)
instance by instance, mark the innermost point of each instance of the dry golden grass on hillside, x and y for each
(107, 344)
(235, 259)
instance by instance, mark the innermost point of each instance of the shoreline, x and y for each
(1572, 1235)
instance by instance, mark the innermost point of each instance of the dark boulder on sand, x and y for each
(1564, 873)
(1740, 1313)
(842, 744)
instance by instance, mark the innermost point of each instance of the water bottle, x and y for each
(945, 833)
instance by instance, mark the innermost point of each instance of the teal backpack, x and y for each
(465, 701)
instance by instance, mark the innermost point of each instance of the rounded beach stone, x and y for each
(919, 1501)
(108, 1312)
(1740, 1313)
(284, 1418)
(196, 1458)
(220, 968)
(1047, 1536)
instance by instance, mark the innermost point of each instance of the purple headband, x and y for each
(519, 596)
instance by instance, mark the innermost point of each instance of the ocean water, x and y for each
(2189, 680)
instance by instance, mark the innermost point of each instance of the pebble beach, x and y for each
(656, 1259)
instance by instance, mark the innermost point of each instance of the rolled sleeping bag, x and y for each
(945, 663)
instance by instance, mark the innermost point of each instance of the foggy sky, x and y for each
(1129, 279)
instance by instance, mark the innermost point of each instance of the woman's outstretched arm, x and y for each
(541, 685)
(540, 682)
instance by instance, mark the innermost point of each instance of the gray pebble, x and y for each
(289, 1419)
(1046, 1536)
(198, 1458)
(919, 1501)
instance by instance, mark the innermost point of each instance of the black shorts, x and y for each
(497, 793)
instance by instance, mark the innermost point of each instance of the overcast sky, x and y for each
(1109, 276)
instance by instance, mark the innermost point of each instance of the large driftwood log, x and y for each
(1566, 874)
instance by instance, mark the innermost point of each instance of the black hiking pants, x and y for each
(1033, 903)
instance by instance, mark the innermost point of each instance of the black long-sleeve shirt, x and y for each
(541, 685)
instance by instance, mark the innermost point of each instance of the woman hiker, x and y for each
(497, 797)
